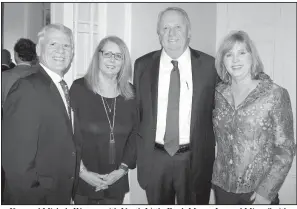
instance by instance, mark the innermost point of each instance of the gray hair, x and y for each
(58, 27)
(177, 9)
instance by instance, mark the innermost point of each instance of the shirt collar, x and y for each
(5, 65)
(54, 76)
(184, 58)
(24, 64)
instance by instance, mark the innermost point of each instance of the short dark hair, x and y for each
(26, 49)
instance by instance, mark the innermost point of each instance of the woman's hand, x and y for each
(94, 179)
(113, 177)
(258, 199)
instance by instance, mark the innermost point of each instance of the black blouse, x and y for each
(95, 132)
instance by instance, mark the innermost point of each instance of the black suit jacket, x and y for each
(40, 154)
(202, 142)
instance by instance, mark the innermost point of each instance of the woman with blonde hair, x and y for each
(104, 102)
(253, 124)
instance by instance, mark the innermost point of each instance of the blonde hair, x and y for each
(227, 44)
(125, 73)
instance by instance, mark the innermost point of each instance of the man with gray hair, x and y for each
(40, 153)
(175, 97)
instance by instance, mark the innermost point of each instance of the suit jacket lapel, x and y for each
(56, 98)
(196, 77)
(154, 76)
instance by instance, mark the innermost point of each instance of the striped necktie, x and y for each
(66, 93)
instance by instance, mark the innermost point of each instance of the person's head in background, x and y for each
(25, 52)
(55, 48)
(111, 60)
(5, 57)
(174, 30)
(237, 58)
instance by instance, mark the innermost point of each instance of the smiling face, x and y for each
(110, 66)
(174, 33)
(238, 62)
(55, 51)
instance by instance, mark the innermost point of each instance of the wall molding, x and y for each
(26, 18)
(128, 25)
(102, 23)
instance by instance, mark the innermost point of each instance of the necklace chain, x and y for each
(109, 108)
(111, 126)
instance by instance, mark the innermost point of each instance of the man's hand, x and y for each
(259, 200)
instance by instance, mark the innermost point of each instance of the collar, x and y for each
(23, 63)
(5, 65)
(54, 76)
(183, 58)
(264, 86)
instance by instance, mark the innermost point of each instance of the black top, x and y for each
(95, 131)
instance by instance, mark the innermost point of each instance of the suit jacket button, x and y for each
(71, 178)
(73, 153)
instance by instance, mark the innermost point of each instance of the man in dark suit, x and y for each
(24, 54)
(6, 62)
(40, 154)
(175, 95)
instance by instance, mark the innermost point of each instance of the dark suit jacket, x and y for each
(40, 155)
(202, 142)
(4, 68)
(9, 77)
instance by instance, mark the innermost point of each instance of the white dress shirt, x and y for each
(56, 79)
(185, 100)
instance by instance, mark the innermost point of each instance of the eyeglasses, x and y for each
(117, 56)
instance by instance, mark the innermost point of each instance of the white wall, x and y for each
(21, 20)
(144, 26)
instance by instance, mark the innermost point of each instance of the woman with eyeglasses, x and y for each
(104, 101)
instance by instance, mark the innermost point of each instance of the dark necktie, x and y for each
(171, 138)
(66, 93)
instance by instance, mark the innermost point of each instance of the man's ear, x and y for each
(38, 49)
(189, 33)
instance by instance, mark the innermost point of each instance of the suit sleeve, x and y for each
(136, 76)
(284, 146)
(20, 127)
(129, 155)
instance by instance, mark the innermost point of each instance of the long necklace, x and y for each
(109, 108)
(111, 134)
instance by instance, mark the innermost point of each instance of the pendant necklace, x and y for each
(109, 108)
(112, 153)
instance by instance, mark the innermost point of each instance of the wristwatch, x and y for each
(124, 167)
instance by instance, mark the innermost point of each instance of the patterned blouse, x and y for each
(255, 140)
